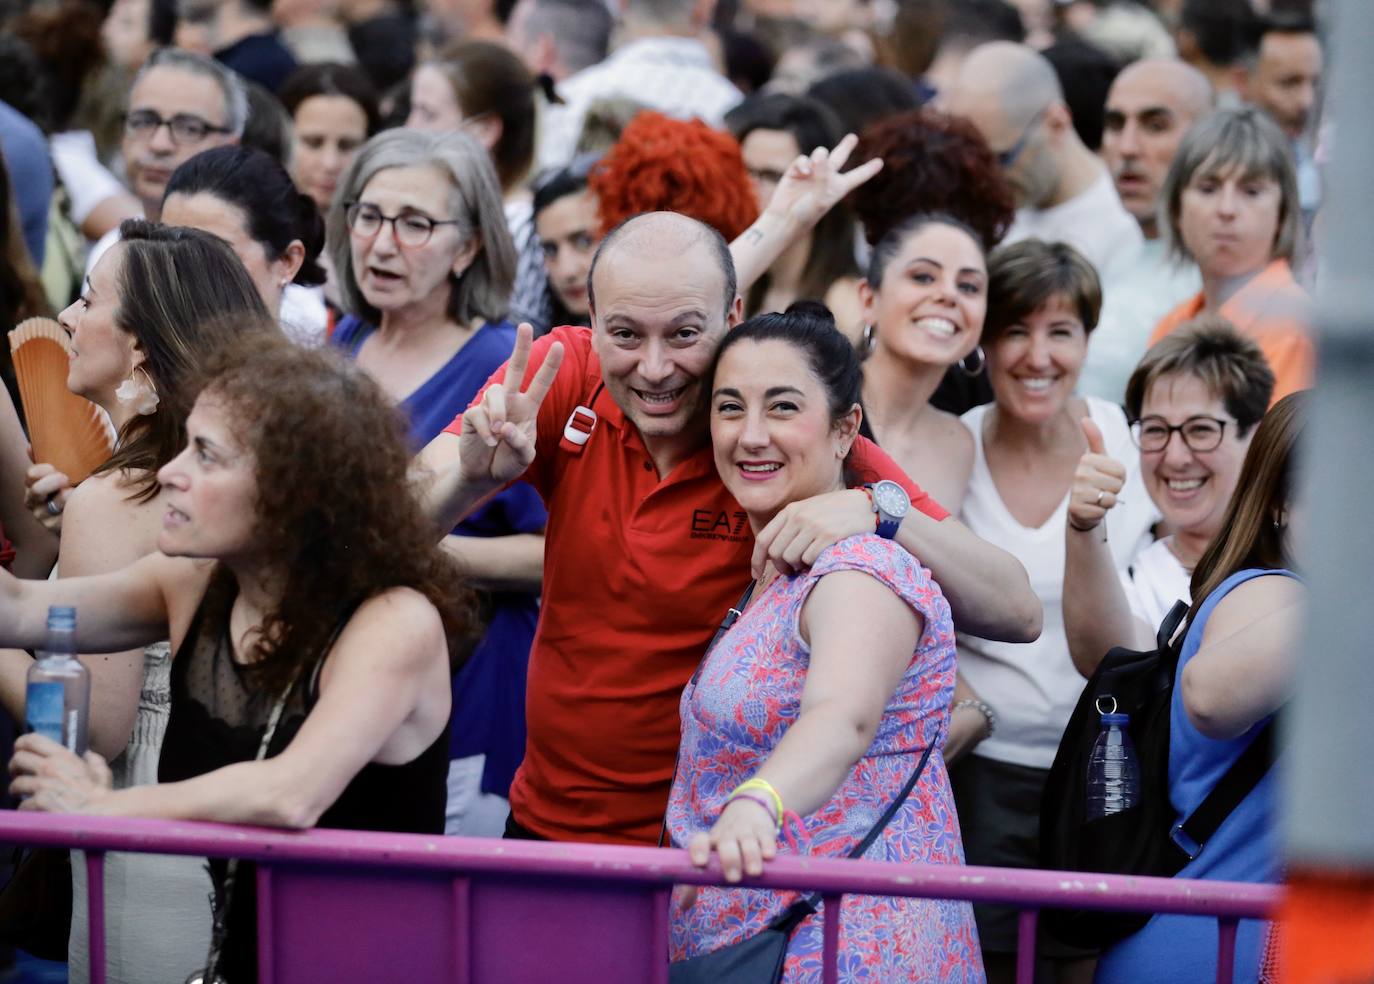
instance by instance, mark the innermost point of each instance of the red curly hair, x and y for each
(662, 164)
(932, 162)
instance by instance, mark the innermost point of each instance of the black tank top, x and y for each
(217, 718)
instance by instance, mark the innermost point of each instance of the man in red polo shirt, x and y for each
(645, 550)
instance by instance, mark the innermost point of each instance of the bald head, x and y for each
(1008, 78)
(1150, 106)
(659, 237)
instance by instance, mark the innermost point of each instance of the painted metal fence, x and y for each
(342, 906)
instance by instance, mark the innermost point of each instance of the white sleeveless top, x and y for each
(1033, 686)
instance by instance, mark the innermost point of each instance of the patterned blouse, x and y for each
(747, 693)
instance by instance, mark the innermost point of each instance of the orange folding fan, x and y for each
(65, 430)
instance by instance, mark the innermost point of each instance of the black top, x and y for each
(218, 718)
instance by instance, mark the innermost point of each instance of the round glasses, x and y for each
(1152, 434)
(412, 229)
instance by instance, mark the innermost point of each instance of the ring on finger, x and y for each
(1100, 496)
(54, 507)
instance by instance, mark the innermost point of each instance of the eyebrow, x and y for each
(934, 262)
(768, 394)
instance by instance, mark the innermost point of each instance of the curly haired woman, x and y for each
(310, 616)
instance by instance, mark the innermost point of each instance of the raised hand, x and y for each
(45, 495)
(815, 182)
(1097, 482)
(498, 437)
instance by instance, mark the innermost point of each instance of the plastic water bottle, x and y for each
(1113, 770)
(58, 702)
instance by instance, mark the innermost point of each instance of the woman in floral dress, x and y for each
(824, 694)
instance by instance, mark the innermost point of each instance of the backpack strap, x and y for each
(1191, 835)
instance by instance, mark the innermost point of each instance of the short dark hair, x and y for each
(561, 182)
(720, 251)
(332, 79)
(261, 189)
(860, 96)
(810, 327)
(268, 127)
(969, 23)
(1025, 276)
(1209, 349)
(1086, 73)
(1226, 31)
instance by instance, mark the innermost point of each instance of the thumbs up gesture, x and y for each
(1096, 482)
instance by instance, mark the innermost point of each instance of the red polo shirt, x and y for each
(638, 572)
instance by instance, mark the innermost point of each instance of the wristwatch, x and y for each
(891, 503)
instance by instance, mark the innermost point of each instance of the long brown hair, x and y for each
(179, 289)
(1252, 534)
(334, 503)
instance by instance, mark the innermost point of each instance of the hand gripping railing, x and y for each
(344, 906)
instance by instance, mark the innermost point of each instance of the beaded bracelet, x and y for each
(989, 715)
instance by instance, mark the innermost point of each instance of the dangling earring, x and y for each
(977, 369)
(138, 394)
(870, 339)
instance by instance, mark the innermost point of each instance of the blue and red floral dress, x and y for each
(745, 697)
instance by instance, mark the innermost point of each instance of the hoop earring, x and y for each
(140, 395)
(870, 339)
(975, 370)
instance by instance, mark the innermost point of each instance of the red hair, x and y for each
(662, 164)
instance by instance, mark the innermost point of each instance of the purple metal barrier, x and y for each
(343, 906)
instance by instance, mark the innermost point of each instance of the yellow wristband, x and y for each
(764, 786)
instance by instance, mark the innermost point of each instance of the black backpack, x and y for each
(1147, 839)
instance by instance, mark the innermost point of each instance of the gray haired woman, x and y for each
(419, 239)
(1230, 203)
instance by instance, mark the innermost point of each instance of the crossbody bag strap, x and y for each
(1245, 773)
(804, 907)
(731, 617)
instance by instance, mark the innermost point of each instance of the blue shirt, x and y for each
(26, 156)
(1245, 848)
(489, 691)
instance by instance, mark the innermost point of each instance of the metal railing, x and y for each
(349, 906)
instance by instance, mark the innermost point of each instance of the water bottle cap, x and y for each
(1121, 719)
(61, 617)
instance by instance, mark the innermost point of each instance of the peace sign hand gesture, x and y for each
(498, 436)
(815, 182)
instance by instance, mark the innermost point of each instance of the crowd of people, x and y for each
(741, 426)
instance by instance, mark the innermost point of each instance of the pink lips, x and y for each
(757, 476)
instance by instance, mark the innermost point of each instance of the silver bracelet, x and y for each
(989, 715)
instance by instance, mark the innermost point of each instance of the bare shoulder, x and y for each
(399, 626)
(1255, 598)
(105, 528)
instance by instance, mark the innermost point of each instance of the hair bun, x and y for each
(812, 309)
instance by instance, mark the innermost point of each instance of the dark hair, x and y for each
(385, 47)
(489, 78)
(749, 60)
(969, 23)
(1086, 73)
(261, 189)
(24, 82)
(66, 39)
(1027, 275)
(1252, 534)
(1288, 22)
(809, 327)
(1226, 31)
(891, 244)
(332, 79)
(268, 127)
(932, 162)
(1209, 349)
(860, 96)
(811, 124)
(720, 252)
(21, 292)
(330, 455)
(178, 289)
(561, 182)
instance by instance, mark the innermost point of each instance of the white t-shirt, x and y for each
(1154, 582)
(88, 182)
(1033, 686)
(1095, 223)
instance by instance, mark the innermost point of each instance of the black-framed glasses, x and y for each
(412, 229)
(185, 128)
(1200, 433)
(1013, 153)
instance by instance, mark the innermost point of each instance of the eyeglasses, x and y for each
(1152, 434)
(412, 229)
(1013, 153)
(185, 128)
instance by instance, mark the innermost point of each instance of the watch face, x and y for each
(891, 498)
